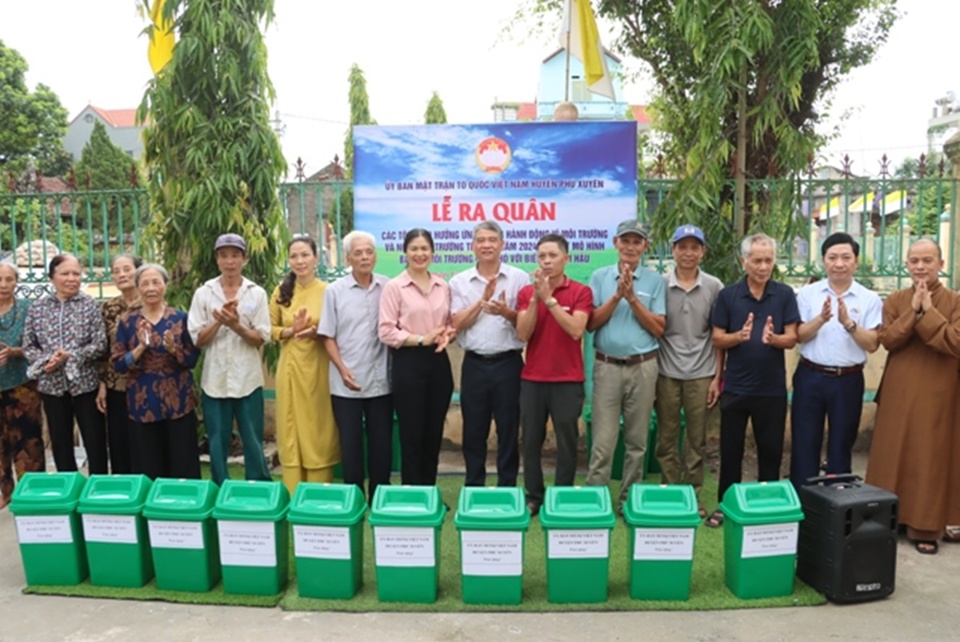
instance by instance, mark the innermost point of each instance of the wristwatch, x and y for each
(852, 327)
(550, 302)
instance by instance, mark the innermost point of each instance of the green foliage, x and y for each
(32, 124)
(435, 114)
(783, 59)
(359, 114)
(107, 165)
(213, 159)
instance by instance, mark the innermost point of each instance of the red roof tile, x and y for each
(114, 117)
(527, 111)
(640, 114)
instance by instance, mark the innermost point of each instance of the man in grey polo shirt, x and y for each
(484, 309)
(691, 369)
(628, 319)
(359, 381)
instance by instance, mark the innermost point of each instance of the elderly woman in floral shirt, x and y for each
(63, 340)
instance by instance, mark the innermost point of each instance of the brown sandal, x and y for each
(926, 546)
(715, 520)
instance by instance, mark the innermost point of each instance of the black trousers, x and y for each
(768, 416)
(61, 412)
(365, 422)
(168, 448)
(118, 434)
(490, 389)
(422, 385)
(562, 403)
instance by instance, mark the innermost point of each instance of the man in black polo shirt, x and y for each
(754, 320)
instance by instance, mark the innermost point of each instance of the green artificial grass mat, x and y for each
(151, 592)
(707, 588)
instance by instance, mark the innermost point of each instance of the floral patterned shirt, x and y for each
(160, 384)
(75, 325)
(14, 372)
(113, 310)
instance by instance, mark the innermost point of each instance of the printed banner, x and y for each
(578, 179)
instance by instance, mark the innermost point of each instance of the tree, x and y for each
(104, 166)
(435, 114)
(107, 165)
(359, 115)
(32, 124)
(214, 161)
(753, 74)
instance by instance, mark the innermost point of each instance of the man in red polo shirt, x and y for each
(552, 317)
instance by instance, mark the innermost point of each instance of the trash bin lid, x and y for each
(762, 503)
(407, 506)
(327, 504)
(115, 494)
(47, 493)
(256, 501)
(498, 509)
(181, 499)
(663, 505)
(577, 507)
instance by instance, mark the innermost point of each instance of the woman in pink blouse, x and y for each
(415, 323)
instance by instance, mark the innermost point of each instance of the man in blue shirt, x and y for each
(839, 326)
(754, 320)
(628, 318)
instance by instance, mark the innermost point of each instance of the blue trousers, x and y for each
(218, 416)
(818, 396)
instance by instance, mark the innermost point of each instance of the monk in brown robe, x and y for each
(916, 444)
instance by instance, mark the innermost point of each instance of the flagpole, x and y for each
(566, 78)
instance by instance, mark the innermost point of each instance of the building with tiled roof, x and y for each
(121, 126)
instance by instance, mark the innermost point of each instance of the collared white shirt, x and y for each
(350, 316)
(491, 333)
(232, 368)
(832, 345)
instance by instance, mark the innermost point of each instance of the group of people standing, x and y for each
(355, 351)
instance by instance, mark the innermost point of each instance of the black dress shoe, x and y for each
(534, 508)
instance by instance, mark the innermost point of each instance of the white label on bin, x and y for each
(173, 534)
(404, 546)
(324, 542)
(663, 544)
(110, 529)
(247, 543)
(579, 543)
(497, 553)
(768, 541)
(52, 529)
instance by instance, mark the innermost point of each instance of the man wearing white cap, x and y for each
(230, 320)
(691, 369)
(628, 318)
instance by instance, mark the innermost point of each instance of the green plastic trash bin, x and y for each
(183, 536)
(762, 521)
(327, 524)
(577, 523)
(662, 521)
(253, 535)
(44, 506)
(406, 523)
(492, 523)
(115, 531)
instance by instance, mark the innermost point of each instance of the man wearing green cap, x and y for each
(628, 318)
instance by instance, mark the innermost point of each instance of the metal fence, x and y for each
(885, 214)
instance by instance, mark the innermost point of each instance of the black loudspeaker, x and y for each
(847, 547)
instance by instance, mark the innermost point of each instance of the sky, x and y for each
(94, 53)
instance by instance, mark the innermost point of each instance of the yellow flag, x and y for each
(585, 45)
(160, 50)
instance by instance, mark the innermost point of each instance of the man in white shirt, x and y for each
(229, 319)
(484, 310)
(839, 321)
